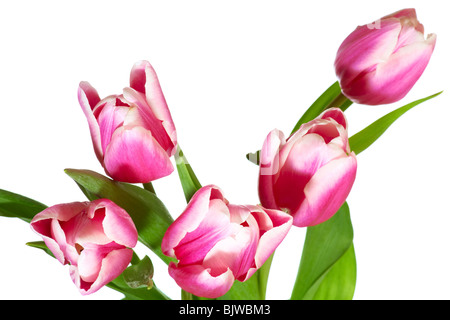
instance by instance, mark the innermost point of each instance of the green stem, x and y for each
(340, 101)
(186, 295)
(149, 187)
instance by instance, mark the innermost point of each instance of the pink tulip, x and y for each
(217, 243)
(93, 237)
(133, 134)
(310, 174)
(380, 62)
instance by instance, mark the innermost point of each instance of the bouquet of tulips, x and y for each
(215, 249)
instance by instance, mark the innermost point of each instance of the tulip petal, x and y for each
(190, 219)
(214, 227)
(109, 119)
(273, 236)
(198, 281)
(117, 223)
(143, 79)
(134, 156)
(395, 77)
(306, 156)
(150, 120)
(88, 99)
(269, 167)
(112, 265)
(326, 191)
(364, 48)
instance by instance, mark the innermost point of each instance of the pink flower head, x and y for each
(93, 237)
(380, 62)
(133, 133)
(310, 174)
(217, 243)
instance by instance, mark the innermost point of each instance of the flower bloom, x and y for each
(133, 133)
(217, 243)
(310, 174)
(380, 62)
(93, 237)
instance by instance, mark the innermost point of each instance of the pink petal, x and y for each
(272, 238)
(109, 119)
(150, 121)
(326, 191)
(364, 48)
(395, 77)
(88, 99)
(269, 167)
(117, 224)
(307, 155)
(214, 227)
(112, 266)
(143, 79)
(190, 219)
(198, 281)
(134, 156)
(336, 114)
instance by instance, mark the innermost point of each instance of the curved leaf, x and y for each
(325, 244)
(363, 139)
(14, 205)
(139, 275)
(340, 281)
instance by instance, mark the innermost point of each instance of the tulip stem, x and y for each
(341, 101)
(149, 187)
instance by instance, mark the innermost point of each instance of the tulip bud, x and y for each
(380, 62)
(310, 174)
(94, 238)
(133, 133)
(217, 243)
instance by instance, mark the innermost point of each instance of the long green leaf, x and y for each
(363, 139)
(14, 205)
(325, 244)
(148, 212)
(340, 281)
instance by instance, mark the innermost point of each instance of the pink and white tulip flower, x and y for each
(94, 238)
(310, 174)
(217, 243)
(379, 63)
(133, 133)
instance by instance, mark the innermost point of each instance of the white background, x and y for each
(231, 71)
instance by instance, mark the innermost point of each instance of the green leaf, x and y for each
(13, 205)
(188, 179)
(147, 211)
(40, 245)
(340, 281)
(139, 275)
(325, 244)
(363, 139)
(120, 285)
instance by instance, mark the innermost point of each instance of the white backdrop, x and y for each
(231, 72)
